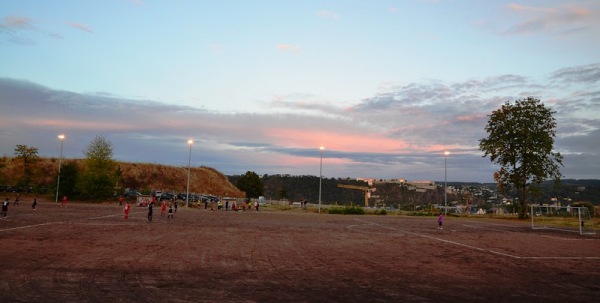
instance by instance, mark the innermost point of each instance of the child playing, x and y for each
(170, 215)
(163, 208)
(126, 210)
(440, 221)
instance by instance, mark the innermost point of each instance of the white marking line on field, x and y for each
(543, 236)
(28, 226)
(49, 223)
(497, 224)
(487, 228)
(479, 248)
(107, 216)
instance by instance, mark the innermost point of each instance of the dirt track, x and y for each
(88, 253)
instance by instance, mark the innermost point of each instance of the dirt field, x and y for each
(88, 253)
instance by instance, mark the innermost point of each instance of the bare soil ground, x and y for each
(88, 253)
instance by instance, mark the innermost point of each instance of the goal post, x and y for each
(566, 218)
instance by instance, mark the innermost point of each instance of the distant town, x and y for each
(460, 197)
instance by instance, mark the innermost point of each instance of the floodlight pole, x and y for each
(62, 140)
(187, 195)
(320, 176)
(446, 153)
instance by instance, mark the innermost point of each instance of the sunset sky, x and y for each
(385, 86)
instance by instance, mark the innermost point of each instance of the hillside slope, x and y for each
(144, 177)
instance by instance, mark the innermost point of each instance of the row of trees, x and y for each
(95, 180)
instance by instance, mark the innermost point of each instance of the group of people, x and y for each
(234, 206)
(17, 202)
(165, 209)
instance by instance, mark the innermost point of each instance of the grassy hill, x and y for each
(144, 177)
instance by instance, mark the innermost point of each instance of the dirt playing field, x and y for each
(88, 253)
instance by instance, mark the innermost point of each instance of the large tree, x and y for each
(98, 178)
(251, 183)
(521, 140)
(69, 175)
(26, 157)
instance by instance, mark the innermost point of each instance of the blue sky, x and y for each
(385, 86)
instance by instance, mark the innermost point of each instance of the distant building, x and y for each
(419, 186)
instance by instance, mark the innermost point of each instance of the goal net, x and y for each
(567, 218)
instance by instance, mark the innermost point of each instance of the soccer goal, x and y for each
(567, 218)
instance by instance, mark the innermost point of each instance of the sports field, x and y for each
(88, 253)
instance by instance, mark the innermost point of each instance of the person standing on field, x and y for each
(64, 202)
(126, 210)
(5, 207)
(170, 215)
(440, 221)
(163, 208)
(150, 205)
(34, 204)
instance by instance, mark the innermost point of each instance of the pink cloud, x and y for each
(287, 47)
(328, 14)
(80, 26)
(18, 22)
(564, 19)
(523, 8)
(336, 140)
(466, 118)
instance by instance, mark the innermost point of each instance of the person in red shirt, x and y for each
(163, 208)
(64, 202)
(126, 210)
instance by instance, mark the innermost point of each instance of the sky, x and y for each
(386, 87)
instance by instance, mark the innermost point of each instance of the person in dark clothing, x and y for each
(5, 207)
(150, 205)
(170, 214)
(34, 204)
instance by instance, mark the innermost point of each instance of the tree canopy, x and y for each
(98, 179)
(251, 183)
(27, 157)
(521, 140)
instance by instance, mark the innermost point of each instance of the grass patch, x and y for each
(346, 210)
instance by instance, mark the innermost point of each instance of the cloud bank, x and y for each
(401, 132)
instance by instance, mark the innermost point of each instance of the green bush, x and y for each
(346, 210)
(420, 214)
(380, 212)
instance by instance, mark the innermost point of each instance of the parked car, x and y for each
(157, 194)
(193, 197)
(167, 196)
(131, 194)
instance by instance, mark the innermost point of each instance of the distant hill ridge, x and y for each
(144, 177)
